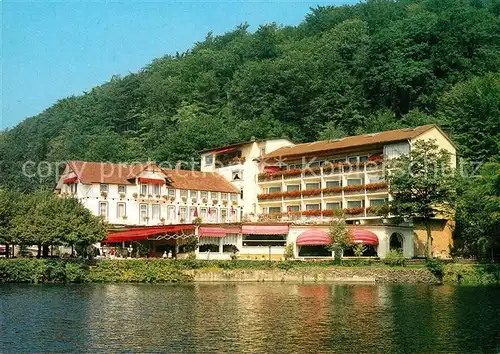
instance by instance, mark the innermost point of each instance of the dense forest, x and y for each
(344, 70)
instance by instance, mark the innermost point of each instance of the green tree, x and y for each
(472, 110)
(44, 219)
(340, 235)
(478, 213)
(422, 184)
(8, 208)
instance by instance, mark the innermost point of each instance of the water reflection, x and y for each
(249, 317)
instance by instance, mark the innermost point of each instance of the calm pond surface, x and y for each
(249, 318)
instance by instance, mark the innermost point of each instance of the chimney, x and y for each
(252, 138)
(178, 165)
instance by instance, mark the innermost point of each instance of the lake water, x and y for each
(249, 318)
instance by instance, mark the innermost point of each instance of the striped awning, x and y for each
(364, 236)
(216, 231)
(151, 180)
(313, 238)
(264, 229)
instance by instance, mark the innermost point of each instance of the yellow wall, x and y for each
(442, 141)
(442, 241)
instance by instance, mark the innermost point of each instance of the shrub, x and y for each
(289, 254)
(395, 258)
(435, 266)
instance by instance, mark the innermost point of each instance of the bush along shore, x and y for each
(163, 271)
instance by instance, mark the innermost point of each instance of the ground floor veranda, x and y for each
(256, 241)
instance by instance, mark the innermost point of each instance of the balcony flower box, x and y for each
(378, 210)
(235, 202)
(269, 196)
(332, 168)
(194, 200)
(184, 199)
(158, 196)
(165, 197)
(269, 176)
(292, 195)
(172, 199)
(312, 171)
(353, 189)
(376, 186)
(224, 202)
(215, 202)
(134, 195)
(332, 191)
(353, 167)
(354, 211)
(204, 200)
(150, 196)
(311, 192)
(104, 194)
(122, 196)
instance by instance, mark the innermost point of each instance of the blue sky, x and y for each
(55, 49)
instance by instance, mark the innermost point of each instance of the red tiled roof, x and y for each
(348, 142)
(202, 181)
(102, 172)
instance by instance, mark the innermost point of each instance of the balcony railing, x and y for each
(308, 215)
(325, 170)
(351, 189)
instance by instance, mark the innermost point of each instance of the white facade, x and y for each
(148, 204)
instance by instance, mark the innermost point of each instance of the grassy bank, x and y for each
(154, 270)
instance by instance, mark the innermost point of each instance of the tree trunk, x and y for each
(7, 250)
(39, 252)
(428, 244)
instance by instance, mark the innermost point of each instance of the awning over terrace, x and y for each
(145, 233)
(264, 229)
(313, 238)
(364, 236)
(215, 231)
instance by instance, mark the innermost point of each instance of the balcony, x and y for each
(323, 215)
(333, 191)
(325, 170)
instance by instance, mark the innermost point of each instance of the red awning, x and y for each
(364, 236)
(224, 150)
(313, 238)
(209, 231)
(143, 233)
(151, 180)
(264, 229)
(70, 180)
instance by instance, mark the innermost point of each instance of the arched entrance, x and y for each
(396, 242)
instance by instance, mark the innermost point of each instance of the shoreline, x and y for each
(24, 270)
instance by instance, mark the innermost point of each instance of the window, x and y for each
(213, 214)
(122, 189)
(156, 189)
(264, 240)
(274, 210)
(203, 213)
(241, 193)
(333, 206)
(103, 209)
(379, 201)
(209, 160)
(223, 215)
(171, 193)
(315, 164)
(237, 175)
(292, 187)
(363, 158)
(73, 188)
(354, 203)
(312, 186)
(155, 211)
(214, 195)
(144, 188)
(183, 213)
(274, 189)
(234, 197)
(193, 194)
(171, 212)
(143, 211)
(312, 207)
(262, 151)
(204, 194)
(331, 184)
(376, 179)
(292, 208)
(184, 193)
(223, 196)
(353, 159)
(339, 160)
(120, 210)
(191, 213)
(104, 188)
(296, 166)
(354, 182)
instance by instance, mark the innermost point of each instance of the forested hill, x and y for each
(342, 71)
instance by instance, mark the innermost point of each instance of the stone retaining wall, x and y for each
(330, 274)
